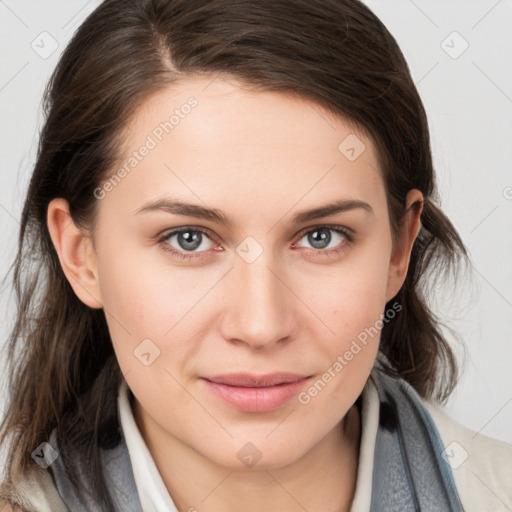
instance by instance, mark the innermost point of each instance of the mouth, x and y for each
(256, 393)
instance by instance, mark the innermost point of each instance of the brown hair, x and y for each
(337, 53)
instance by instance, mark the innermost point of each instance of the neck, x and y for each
(323, 478)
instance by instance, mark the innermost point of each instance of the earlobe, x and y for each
(409, 229)
(76, 253)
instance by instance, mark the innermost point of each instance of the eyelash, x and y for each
(188, 256)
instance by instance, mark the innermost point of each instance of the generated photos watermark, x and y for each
(152, 140)
(343, 360)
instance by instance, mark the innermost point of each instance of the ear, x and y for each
(76, 253)
(410, 226)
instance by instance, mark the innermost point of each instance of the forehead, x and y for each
(225, 106)
(217, 139)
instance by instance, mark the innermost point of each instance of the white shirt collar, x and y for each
(154, 496)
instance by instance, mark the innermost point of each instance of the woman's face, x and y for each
(269, 289)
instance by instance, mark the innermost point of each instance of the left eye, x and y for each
(320, 237)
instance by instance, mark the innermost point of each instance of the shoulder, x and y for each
(36, 492)
(481, 466)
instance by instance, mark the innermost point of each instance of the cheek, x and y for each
(129, 292)
(352, 306)
(351, 303)
(352, 297)
(138, 288)
(135, 297)
(145, 298)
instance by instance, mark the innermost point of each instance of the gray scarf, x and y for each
(409, 473)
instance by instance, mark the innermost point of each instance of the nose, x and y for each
(259, 309)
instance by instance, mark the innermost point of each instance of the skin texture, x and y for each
(260, 157)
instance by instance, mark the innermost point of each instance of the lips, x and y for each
(248, 380)
(256, 393)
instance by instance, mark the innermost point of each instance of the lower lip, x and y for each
(256, 399)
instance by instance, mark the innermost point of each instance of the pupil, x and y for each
(189, 241)
(321, 236)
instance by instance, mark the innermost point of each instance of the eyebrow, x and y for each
(215, 215)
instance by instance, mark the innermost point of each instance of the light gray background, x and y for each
(468, 98)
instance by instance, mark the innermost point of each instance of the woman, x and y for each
(233, 208)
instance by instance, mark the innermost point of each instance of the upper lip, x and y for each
(249, 380)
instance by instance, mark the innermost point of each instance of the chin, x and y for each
(256, 454)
